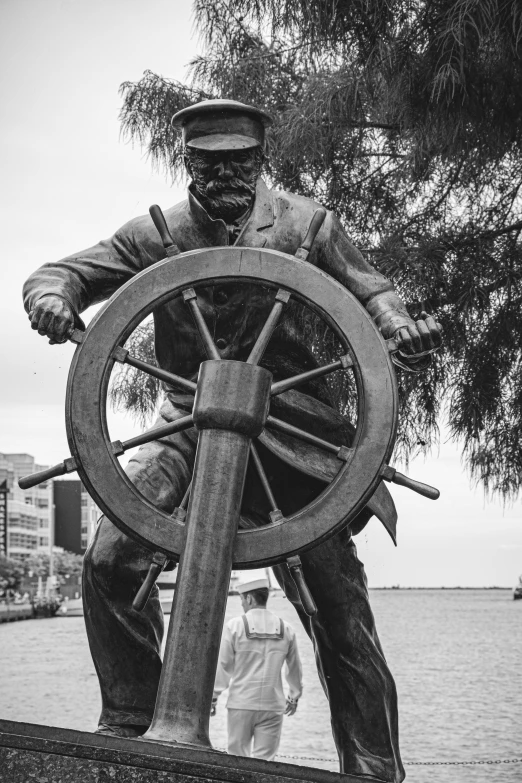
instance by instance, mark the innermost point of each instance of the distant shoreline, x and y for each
(399, 587)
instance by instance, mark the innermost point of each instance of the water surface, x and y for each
(456, 656)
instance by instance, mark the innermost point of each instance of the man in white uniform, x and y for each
(253, 650)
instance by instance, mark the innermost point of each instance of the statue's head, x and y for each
(224, 144)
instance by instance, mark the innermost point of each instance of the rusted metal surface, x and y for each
(89, 378)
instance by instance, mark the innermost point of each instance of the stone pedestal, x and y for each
(42, 754)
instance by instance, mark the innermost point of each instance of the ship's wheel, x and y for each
(231, 412)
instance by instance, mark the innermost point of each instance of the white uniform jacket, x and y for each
(254, 648)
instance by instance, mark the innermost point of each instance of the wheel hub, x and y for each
(232, 396)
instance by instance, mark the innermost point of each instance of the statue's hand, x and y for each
(53, 317)
(420, 337)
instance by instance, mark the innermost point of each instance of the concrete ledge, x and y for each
(42, 754)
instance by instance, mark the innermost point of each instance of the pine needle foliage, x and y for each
(405, 118)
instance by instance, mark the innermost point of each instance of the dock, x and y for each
(10, 612)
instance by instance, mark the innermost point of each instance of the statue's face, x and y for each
(225, 181)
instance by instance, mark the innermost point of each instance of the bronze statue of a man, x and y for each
(229, 204)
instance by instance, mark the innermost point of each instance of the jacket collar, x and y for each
(215, 232)
(262, 216)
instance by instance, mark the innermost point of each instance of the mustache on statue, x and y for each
(234, 184)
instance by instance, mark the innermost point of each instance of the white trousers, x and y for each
(261, 727)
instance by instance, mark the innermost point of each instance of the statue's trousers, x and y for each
(125, 644)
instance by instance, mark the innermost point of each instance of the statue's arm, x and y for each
(57, 292)
(342, 260)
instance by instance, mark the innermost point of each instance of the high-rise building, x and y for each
(75, 515)
(28, 510)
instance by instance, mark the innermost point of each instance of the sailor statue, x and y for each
(229, 204)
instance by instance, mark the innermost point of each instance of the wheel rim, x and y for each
(90, 373)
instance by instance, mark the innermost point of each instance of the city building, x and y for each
(29, 511)
(29, 516)
(75, 516)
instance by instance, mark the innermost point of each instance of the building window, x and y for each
(44, 541)
(23, 521)
(42, 502)
(22, 541)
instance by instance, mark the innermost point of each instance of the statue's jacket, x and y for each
(236, 312)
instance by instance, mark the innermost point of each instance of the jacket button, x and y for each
(220, 297)
(221, 343)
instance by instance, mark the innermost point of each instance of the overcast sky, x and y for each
(68, 180)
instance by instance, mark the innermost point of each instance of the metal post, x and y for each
(187, 681)
(230, 408)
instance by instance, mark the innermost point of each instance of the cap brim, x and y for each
(218, 142)
(255, 584)
(218, 106)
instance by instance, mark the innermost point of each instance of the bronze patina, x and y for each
(248, 437)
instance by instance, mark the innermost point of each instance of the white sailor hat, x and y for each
(253, 581)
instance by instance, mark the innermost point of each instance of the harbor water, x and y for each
(456, 656)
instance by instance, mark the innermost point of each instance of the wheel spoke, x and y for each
(190, 297)
(159, 561)
(186, 496)
(275, 513)
(184, 423)
(341, 452)
(290, 383)
(180, 512)
(258, 350)
(390, 474)
(123, 356)
(67, 466)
